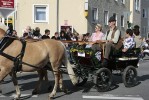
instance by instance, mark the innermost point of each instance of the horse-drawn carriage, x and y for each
(89, 64)
(19, 54)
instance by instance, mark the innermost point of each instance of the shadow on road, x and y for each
(143, 77)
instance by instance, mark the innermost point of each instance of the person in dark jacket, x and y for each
(10, 30)
(68, 34)
(37, 34)
(46, 35)
(62, 35)
(56, 36)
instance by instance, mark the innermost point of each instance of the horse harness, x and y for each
(4, 43)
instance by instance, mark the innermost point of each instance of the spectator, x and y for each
(137, 37)
(36, 33)
(74, 36)
(62, 35)
(56, 36)
(68, 34)
(27, 33)
(9, 30)
(46, 35)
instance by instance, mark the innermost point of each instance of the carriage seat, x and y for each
(131, 54)
(134, 52)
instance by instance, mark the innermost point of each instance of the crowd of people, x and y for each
(35, 34)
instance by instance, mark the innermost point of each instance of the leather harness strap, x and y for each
(5, 42)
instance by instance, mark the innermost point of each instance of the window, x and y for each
(137, 5)
(122, 21)
(106, 14)
(95, 15)
(123, 1)
(144, 13)
(144, 30)
(41, 13)
(115, 15)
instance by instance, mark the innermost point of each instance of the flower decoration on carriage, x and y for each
(81, 50)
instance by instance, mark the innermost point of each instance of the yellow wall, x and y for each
(71, 10)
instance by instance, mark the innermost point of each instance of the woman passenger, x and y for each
(96, 37)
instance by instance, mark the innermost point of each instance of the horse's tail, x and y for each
(69, 67)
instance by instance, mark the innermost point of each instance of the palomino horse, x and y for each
(35, 54)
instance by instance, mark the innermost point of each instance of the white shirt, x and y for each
(116, 36)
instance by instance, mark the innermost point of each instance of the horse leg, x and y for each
(3, 73)
(61, 85)
(37, 88)
(56, 75)
(46, 75)
(15, 82)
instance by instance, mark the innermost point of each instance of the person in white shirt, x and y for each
(112, 39)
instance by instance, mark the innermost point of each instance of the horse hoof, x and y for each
(16, 98)
(51, 98)
(64, 90)
(34, 92)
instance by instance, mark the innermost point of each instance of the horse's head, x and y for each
(3, 29)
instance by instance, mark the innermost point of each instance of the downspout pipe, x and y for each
(57, 23)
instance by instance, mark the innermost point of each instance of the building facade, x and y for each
(126, 12)
(80, 15)
(135, 13)
(102, 10)
(144, 18)
(50, 14)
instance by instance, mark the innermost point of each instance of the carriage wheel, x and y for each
(103, 79)
(81, 75)
(130, 76)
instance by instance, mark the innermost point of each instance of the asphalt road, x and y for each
(27, 82)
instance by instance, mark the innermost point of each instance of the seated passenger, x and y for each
(112, 40)
(129, 42)
(96, 38)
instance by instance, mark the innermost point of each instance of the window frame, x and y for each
(144, 13)
(46, 13)
(106, 17)
(123, 1)
(122, 21)
(137, 5)
(96, 16)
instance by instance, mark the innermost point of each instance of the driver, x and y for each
(111, 38)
